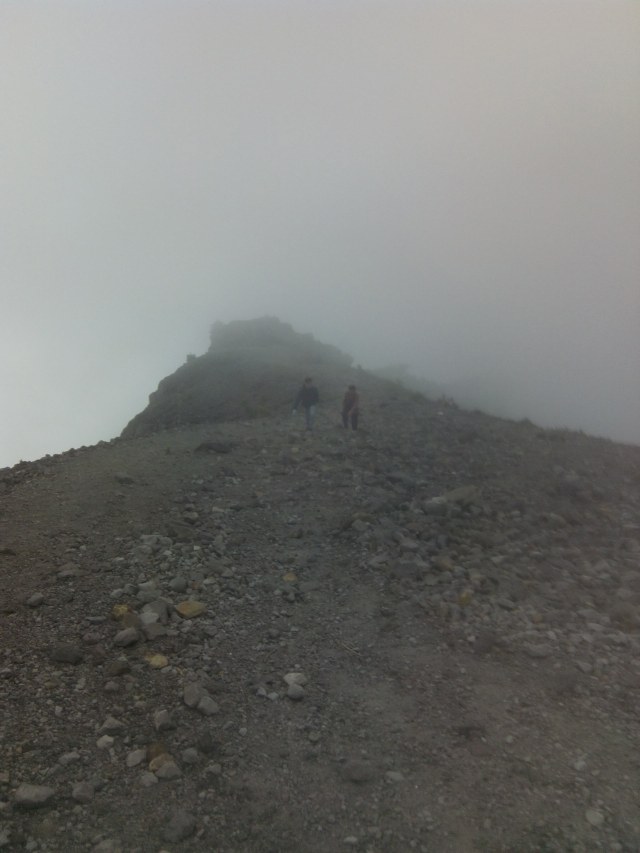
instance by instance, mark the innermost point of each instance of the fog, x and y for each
(454, 185)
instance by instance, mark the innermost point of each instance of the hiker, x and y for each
(308, 398)
(350, 403)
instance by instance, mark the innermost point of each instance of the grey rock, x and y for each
(35, 600)
(154, 630)
(126, 637)
(295, 678)
(192, 694)
(83, 792)
(147, 779)
(169, 770)
(178, 584)
(594, 817)
(158, 608)
(111, 726)
(136, 757)
(539, 650)
(162, 721)
(66, 653)
(190, 755)
(181, 825)
(394, 776)
(295, 692)
(207, 706)
(33, 796)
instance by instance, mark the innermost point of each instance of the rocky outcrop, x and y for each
(252, 369)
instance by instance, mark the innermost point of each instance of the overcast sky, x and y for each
(451, 184)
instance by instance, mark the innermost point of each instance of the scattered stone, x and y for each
(157, 661)
(168, 770)
(66, 653)
(112, 726)
(181, 825)
(192, 694)
(162, 721)
(190, 755)
(33, 796)
(594, 817)
(83, 792)
(131, 620)
(543, 581)
(119, 610)
(126, 637)
(178, 584)
(136, 757)
(542, 650)
(156, 610)
(190, 609)
(394, 776)
(295, 678)
(153, 631)
(207, 706)
(117, 667)
(295, 692)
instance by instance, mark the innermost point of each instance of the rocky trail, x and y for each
(243, 637)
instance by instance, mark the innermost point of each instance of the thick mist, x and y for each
(455, 186)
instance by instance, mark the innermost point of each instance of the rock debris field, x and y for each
(243, 637)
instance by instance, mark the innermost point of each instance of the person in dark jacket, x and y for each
(308, 398)
(350, 404)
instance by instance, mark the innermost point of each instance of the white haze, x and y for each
(454, 185)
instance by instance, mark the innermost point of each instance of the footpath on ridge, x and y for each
(246, 638)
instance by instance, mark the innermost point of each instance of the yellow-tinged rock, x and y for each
(290, 577)
(130, 620)
(155, 749)
(157, 661)
(157, 762)
(119, 610)
(191, 609)
(465, 597)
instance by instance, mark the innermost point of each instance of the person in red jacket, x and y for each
(350, 405)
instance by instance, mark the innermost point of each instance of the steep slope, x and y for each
(423, 636)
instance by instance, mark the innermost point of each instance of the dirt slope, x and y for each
(454, 598)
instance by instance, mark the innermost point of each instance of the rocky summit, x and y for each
(221, 632)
